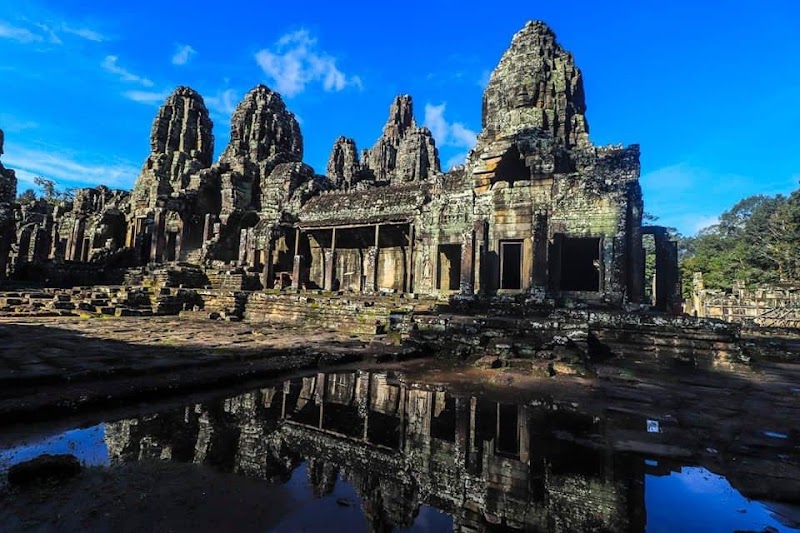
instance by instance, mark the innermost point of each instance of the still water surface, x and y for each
(362, 451)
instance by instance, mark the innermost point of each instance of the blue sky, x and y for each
(712, 94)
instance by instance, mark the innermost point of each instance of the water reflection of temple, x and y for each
(488, 464)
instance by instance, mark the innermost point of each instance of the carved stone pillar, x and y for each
(296, 272)
(467, 282)
(371, 270)
(158, 237)
(330, 269)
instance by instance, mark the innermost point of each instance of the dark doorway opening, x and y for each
(510, 264)
(511, 168)
(580, 264)
(507, 429)
(449, 268)
(169, 252)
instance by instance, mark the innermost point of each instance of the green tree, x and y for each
(28, 196)
(51, 193)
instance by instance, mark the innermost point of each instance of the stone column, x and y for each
(462, 431)
(179, 241)
(158, 237)
(243, 246)
(479, 244)
(467, 282)
(410, 260)
(540, 251)
(298, 262)
(667, 282)
(330, 263)
(371, 272)
(267, 274)
(208, 228)
(75, 243)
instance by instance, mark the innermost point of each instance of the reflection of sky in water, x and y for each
(697, 500)
(693, 499)
(88, 445)
(325, 514)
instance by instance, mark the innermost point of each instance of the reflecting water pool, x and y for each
(371, 451)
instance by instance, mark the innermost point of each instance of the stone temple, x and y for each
(536, 210)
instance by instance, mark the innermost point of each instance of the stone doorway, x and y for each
(580, 264)
(449, 267)
(511, 265)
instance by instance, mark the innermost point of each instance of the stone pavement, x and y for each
(66, 361)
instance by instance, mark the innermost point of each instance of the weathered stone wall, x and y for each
(8, 194)
(776, 306)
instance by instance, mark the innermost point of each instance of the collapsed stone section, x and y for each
(8, 193)
(404, 152)
(181, 143)
(536, 86)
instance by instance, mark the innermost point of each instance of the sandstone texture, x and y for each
(8, 193)
(181, 143)
(537, 211)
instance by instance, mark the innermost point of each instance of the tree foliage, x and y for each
(49, 192)
(757, 241)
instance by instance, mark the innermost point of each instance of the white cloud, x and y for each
(84, 33)
(110, 64)
(65, 170)
(22, 35)
(456, 160)
(702, 222)
(294, 62)
(223, 103)
(51, 35)
(446, 133)
(146, 97)
(434, 120)
(183, 54)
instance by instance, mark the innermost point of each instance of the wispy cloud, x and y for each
(84, 33)
(671, 192)
(47, 31)
(51, 34)
(452, 134)
(223, 103)
(19, 34)
(12, 124)
(447, 133)
(146, 97)
(459, 159)
(183, 54)
(66, 170)
(294, 62)
(110, 64)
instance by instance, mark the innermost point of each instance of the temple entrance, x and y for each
(449, 267)
(169, 251)
(511, 265)
(580, 264)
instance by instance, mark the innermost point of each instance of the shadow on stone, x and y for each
(46, 467)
